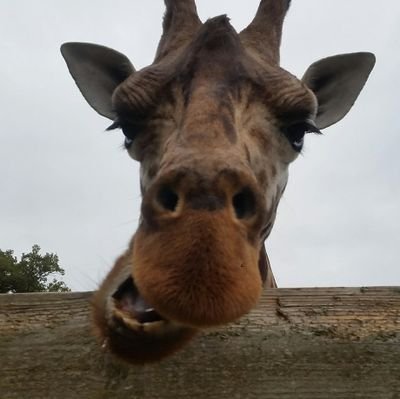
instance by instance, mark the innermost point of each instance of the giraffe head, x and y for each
(215, 123)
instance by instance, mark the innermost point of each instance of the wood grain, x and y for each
(340, 343)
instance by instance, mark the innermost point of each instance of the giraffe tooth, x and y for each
(128, 321)
(133, 324)
(149, 327)
(154, 327)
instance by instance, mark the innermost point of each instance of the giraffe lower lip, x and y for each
(130, 305)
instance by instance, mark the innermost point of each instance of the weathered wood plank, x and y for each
(320, 343)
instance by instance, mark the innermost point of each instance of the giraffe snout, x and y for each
(180, 192)
(196, 252)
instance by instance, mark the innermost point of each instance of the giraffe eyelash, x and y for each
(115, 125)
(127, 141)
(295, 133)
(130, 132)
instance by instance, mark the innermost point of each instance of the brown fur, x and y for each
(200, 270)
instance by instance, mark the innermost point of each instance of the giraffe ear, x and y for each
(97, 71)
(337, 81)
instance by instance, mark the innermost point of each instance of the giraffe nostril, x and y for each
(167, 198)
(244, 203)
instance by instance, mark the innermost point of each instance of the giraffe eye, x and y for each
(129, 130)
(127, 142)
(295, 133)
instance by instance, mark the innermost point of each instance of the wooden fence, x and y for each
(340, 343)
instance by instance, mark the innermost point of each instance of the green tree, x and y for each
(32, 273)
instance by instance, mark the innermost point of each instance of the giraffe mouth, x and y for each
(131, 328)
(130, 309)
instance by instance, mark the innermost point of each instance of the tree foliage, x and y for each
(32, 273)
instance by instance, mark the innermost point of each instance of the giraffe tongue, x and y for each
(128, 300)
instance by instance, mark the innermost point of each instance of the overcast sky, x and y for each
(69, 187)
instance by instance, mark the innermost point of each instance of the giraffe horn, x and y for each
(263, 35)
(181, 21)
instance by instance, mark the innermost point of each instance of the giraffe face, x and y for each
(214, 151)
(215, 124)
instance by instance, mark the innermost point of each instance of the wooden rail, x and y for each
(340, 343)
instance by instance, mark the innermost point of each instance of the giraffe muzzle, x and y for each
(196, 252)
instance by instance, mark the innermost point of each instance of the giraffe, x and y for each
(215, 123)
